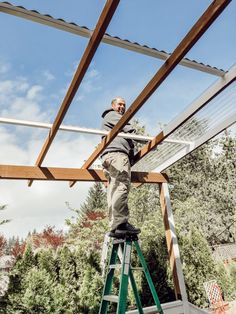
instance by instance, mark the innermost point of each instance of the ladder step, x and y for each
(111, 298)
(119, 266)
(115, 266)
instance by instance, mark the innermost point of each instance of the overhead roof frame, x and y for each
(203, 23)
(84, 174)
(175, 58)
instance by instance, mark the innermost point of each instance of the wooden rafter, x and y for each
(103, 22)
(204, 22)
(67, 174)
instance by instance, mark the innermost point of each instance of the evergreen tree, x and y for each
(206, 179)
(144, 203)
(154, 248)
(225, 280)
(199, 267)
(90, 291)
(231, 268)
(3, 244)
(38, 293)
(46, 259)
(23, 265)
(2, 207)
(10, 243)
(96, 199)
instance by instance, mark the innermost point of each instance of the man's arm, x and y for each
(111, 119)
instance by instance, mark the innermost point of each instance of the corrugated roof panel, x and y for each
(113, 40)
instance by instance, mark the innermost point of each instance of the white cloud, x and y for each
(20, 100)
(11, 152)
(90, 82)
(4, 67)
(43, 203)
(12, 87)
(48, 75)
(22, 108)
(34, 92)
(74, 67)
(93, 73)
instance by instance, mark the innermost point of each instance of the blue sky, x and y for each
(37, 64)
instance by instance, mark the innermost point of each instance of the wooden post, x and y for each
(173, 248)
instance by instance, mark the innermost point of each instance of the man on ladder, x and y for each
(116, 160)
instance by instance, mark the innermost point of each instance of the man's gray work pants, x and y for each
(117, 170)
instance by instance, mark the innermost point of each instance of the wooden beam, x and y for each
(103, 22)
(68, 174)
(169, 243)
(185, 45)
(172, 246)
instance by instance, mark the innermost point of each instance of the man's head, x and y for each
(118, 104)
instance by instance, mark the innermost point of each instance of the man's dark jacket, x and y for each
(119, 144)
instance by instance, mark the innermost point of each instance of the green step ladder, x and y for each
(125, 245)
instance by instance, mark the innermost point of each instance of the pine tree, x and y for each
(2, 207)
(96, 199)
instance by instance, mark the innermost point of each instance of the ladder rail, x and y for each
(135, 291)
(124, 277)
(148, 277)
(109, 278)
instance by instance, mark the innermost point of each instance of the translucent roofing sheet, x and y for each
(208, 118)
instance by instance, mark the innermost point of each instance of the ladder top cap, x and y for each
(125, 238)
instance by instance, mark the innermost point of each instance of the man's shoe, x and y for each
(112, 233)
(127, 228)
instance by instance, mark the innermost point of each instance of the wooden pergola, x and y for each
(86, 173)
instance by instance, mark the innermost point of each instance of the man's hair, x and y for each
(116, 98)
